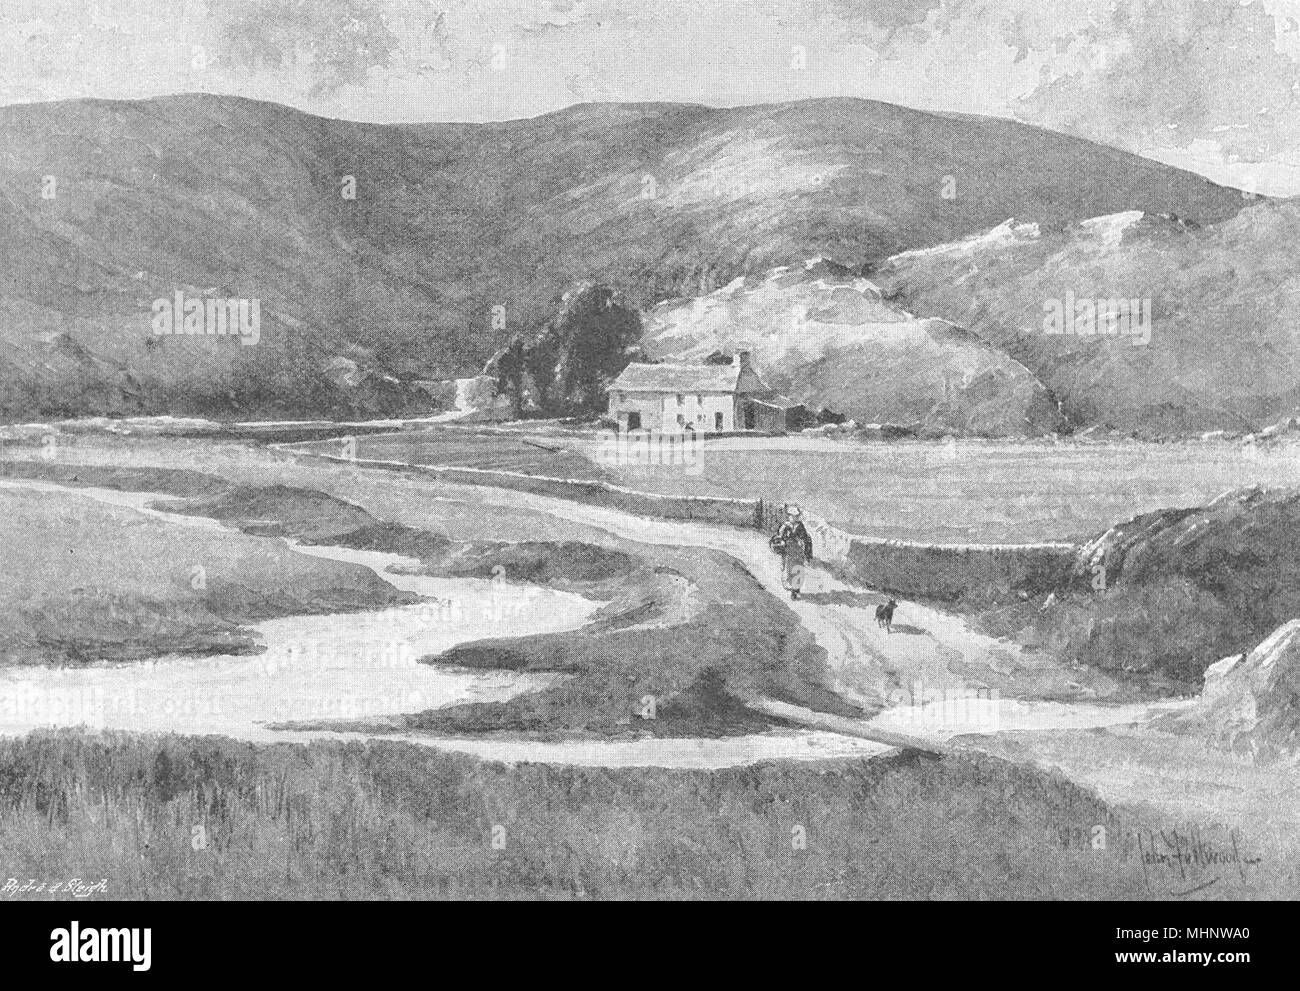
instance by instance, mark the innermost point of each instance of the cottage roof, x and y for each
(680, 378)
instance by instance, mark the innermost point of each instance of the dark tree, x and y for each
(601, 333)
(582, 350)
(510, 369)
(567, 365)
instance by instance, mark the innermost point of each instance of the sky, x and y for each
(1209, 85)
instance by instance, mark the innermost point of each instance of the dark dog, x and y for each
(885, 615)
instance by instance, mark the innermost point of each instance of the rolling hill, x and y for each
(825, 336)
(460, 235)
(1224, 336)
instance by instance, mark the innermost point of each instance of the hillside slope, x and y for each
(1224, 314)
(238, 199)
(1167, 594)
(826, 338)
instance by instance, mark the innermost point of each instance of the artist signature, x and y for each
(1185, 860)
(1194, 857)
(74, 887)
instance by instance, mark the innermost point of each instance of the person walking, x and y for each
(795, 545)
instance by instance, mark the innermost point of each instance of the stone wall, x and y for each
(947, 572)
(707, 509)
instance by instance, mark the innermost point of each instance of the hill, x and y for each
(459, 235)
(825, 337)
(1223, 303)
(1165, 595)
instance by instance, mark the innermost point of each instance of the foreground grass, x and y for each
(394, 821)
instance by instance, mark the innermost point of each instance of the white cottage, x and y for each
(703, 398)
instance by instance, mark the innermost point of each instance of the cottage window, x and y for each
(681, 400)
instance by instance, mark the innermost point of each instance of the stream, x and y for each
(358, 666)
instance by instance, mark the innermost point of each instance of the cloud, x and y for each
(1145, 75)
(561, 13)
(335, 43)
(1151, 73)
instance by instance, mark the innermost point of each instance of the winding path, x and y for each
(912, 678)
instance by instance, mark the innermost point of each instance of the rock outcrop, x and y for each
(1251, 701)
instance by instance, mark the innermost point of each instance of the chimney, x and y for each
(742, 359)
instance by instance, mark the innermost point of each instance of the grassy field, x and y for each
(172, 817)
(496, 451)
(87, 582)
(971, 491)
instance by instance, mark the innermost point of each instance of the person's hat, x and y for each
(793, 511)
